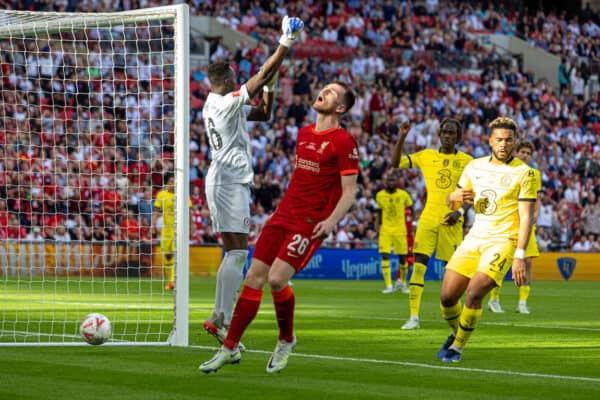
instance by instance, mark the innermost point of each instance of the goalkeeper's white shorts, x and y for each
(229, 207)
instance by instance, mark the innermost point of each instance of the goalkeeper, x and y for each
(226, 112)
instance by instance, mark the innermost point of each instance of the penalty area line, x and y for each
(423, 365)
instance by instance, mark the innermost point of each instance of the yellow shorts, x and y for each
(493, 258)
(167, 245)
(532, 247)
(444, 239)
(389, 241)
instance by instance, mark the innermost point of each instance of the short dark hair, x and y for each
(525, 143)
(458, 125)
(503, 123)
(167, 176)
(217, 72)
(349, 96)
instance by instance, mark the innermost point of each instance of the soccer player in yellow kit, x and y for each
(503, 191)
(165, 204)
(439, 229)
(523, 152)
(391, 225)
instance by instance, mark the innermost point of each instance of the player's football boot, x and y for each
(442, 351)
(219, 332)
(401, 286)
(279, 358)
(451, 356)
(223, 356)
(494, 306)
(170, 285)
(522, 308)
(412, 323)
(388, 290)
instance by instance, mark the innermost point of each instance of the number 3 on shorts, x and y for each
(298, 245)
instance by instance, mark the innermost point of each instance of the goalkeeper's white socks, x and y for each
(229, 279)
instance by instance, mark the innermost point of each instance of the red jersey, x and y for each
(315, 188)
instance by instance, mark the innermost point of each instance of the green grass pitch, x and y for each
(350, 346)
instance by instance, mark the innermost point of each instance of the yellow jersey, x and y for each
(393, 210)
(538, 189)
(441, 173)
(165, 201)
(498, 188)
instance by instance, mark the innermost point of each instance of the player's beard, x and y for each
(504, 157)
(322, 108)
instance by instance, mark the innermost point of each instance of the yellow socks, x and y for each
(386, 271)
(452, 315)
(170, 271)
(495, 293)
(417, 283)
(524, 293)
(466, 325)
(403, 270)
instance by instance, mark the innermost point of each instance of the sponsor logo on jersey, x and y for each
(308, 165)
(323, 146)
(354, 154)
(446, 162)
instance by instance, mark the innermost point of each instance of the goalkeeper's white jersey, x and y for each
(227, 130)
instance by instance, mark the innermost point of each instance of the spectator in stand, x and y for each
(582, 244)
(35, 235)
(591, 215)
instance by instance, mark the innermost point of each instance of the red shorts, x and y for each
(292, 247)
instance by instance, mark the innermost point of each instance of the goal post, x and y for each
(94, 113)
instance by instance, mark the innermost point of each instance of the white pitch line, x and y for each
(573, 328)
(375, 318)
(422, 365)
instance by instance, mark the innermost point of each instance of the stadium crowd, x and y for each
(90, 171)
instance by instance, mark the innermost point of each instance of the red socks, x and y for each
(285, 303)
(247, 308)
(245, 311)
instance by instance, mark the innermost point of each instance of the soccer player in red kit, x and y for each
(321, 190)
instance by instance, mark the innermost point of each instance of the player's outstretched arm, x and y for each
(291, 28)
(349, 189)
(397, 152)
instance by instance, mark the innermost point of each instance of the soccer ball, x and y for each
(95, 329)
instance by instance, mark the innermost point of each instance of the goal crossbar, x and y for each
(25, 23)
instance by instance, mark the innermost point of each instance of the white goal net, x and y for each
(93, 118)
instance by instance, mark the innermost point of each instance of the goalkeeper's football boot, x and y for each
(279, 358)
(223, 356)
(219, 332)
(442, 351)
(170, 285)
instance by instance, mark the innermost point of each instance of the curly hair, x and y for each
(503, 123)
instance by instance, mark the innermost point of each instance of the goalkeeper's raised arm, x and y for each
(290, 31)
